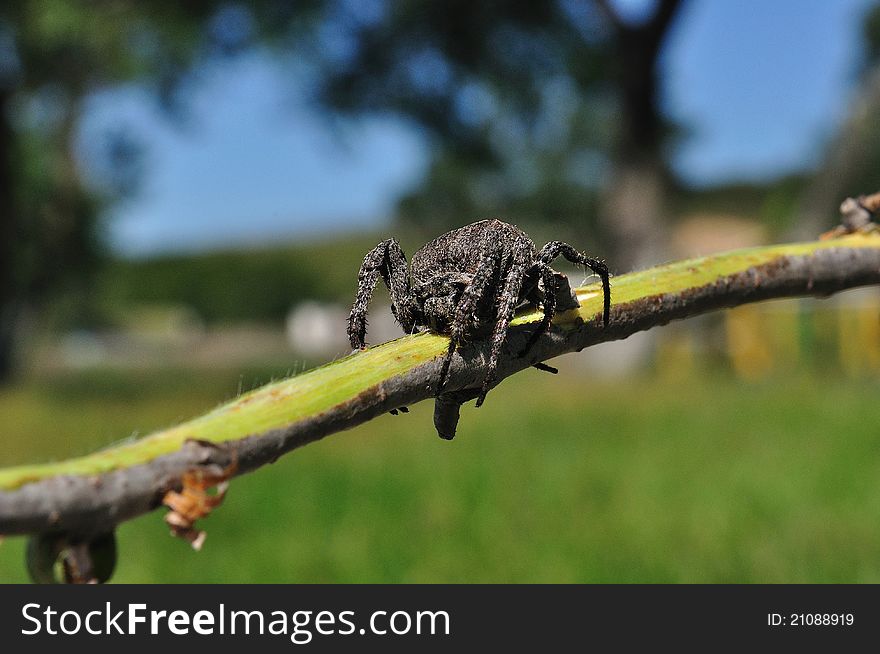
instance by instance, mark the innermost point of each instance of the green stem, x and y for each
(320, 390)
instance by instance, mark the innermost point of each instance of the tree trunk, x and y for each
(632, 211)
(9, 293)
(632, 214)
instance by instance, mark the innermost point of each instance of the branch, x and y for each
(88, 496)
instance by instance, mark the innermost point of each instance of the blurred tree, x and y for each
(54, 55)
(533, 106)
(852, 158)
(872, 36)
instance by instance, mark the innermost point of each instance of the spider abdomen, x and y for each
(461, 250)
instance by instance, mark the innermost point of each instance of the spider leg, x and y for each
(549, 279)
(508, 300)
(470, 299)
(388, 261)
(555, 248)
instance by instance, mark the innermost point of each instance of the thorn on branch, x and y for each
(870, 202)
(566, 298)
(194, 502)
(856, 216)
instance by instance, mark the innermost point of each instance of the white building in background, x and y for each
(319, 328)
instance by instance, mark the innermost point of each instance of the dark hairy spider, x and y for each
(467, 283)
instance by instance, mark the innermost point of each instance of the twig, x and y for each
(90, 495)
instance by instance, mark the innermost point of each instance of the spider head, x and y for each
(438, 312)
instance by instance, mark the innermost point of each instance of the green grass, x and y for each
(555, 479)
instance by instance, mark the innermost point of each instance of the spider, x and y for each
(467, 283)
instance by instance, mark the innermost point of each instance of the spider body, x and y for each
(468, 283)
(443, 268)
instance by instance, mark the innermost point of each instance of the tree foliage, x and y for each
(527, 104)
(54, 56)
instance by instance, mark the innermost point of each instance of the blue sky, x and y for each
(252, 163)
(760, 85)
